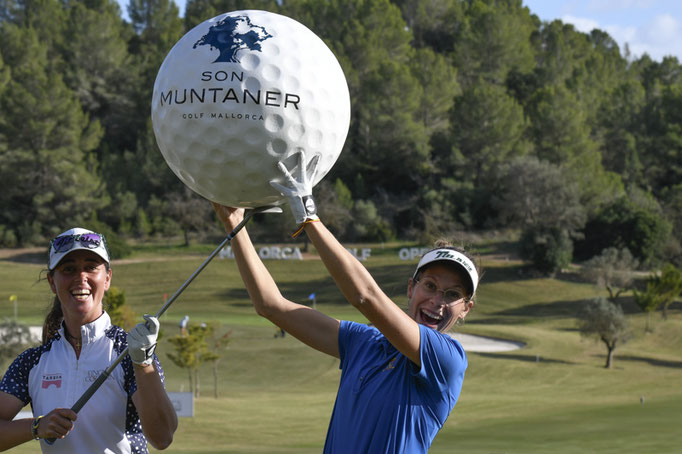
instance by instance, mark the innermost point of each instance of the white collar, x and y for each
(92, 331)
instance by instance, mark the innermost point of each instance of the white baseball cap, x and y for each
(450, 255)
(74, 240)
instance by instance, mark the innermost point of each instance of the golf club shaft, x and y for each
(104, 375)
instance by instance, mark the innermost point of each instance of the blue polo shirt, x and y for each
(386, 403)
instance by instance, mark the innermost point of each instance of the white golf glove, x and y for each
(299, 189)
(142, 341)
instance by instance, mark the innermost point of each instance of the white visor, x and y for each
(74, 240)
(450, 255)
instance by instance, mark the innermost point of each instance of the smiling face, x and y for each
(427, 307)
(79, 281)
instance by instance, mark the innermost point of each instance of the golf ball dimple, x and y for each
(241, 92)
(312, 117)
(271, 73)
(277, 147)
(273, 48)
(253, 84)
(315, 139)
(186, 177)
(250, 62)
(291, 83)
(253, 137)
(274, 123)
(296, 132)
(216, 155)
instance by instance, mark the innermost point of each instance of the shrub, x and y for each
(644, 232)
(549, 251)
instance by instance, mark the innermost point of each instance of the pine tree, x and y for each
(48, 168)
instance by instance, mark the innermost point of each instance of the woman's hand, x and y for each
(229, 216)
(57, 423)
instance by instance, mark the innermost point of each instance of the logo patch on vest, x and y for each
(52, 379)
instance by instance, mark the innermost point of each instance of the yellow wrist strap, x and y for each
(34, 427)
(302, 226)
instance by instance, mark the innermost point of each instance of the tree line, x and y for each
(466, 115)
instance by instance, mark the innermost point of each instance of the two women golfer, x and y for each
(401, 375)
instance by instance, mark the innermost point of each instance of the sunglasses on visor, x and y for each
(67, 242)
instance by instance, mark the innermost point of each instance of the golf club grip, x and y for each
(104, 375)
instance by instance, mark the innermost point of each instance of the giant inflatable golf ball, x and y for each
(240, 93)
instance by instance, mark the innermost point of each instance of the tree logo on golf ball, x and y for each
(231, 35)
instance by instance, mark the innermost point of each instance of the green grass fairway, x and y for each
(276, 395)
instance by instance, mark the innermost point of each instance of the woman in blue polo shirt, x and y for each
(79, 342)
(402, 375)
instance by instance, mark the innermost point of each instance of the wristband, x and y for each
(34, 427)
(302, 226)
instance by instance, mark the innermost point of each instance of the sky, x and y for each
(646, 26)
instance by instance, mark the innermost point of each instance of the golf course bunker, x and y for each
(485, 344)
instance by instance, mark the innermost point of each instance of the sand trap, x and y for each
(485, 344)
